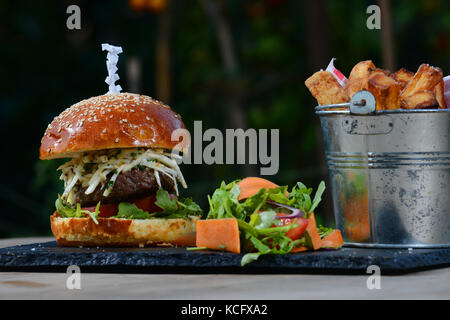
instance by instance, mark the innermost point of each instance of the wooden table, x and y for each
(433, 284)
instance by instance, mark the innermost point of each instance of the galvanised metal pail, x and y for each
(389, 173)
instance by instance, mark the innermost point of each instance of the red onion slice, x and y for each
(296, 213)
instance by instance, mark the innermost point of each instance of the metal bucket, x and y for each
(389, 173)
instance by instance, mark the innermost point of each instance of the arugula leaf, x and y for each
(300, 197)
(259, 245)
(65, 210)
(131, 211)
(249, 257)
(171, 208)
(196, 248)
(175, 208)
(187, 207)
(284, 244)
(224, 203)
(279, 195)
(253, 204)
(234, 189)
(266, 219)
(93, 215)
(324, 231)
(164, 201)
(318, 196)
(270, 240)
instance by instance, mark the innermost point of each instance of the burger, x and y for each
(122, 175)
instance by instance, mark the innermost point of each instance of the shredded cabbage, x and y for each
(91, 169)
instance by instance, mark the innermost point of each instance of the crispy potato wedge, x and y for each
(359, 76)
(419, 100)
(379, 70)
(325, 88)
(385, 90)
(403, 77)
(354, 85)
(425, 79)
(439, 94)
(362, 69)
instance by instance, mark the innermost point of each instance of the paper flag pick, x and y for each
(111, 65)
(336, 73)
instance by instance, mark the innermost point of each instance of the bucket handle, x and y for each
(362, 103)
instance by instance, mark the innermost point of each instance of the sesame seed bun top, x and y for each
(118, 120)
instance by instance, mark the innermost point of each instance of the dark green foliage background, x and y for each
(44, 68)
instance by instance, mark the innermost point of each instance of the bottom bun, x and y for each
(110, 232)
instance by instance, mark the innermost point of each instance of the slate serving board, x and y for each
(48, 257)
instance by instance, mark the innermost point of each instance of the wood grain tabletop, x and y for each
(432, 284)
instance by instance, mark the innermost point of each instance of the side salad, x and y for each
(258, 217)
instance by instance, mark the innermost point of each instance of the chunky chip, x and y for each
(403, 77)
(359, 76)
(362, 69)
(385, 90)
(439, 94)
(324, 87)
(419, 100)
(379, 70)
(425, 79)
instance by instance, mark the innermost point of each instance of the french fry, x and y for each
(439, 95)
(419, 100)
(425, 79)
(385, 90)
(324, 87)
(403, 77)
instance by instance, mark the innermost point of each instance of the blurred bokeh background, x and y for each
(231, 64)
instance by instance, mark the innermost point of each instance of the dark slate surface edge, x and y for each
(49, 257)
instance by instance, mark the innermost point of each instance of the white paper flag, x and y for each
(111, 65)
(336, 73)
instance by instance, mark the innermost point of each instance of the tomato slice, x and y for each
(106, 210)
(147, 204)
(297, 232)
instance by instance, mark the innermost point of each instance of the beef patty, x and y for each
(132, 184)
